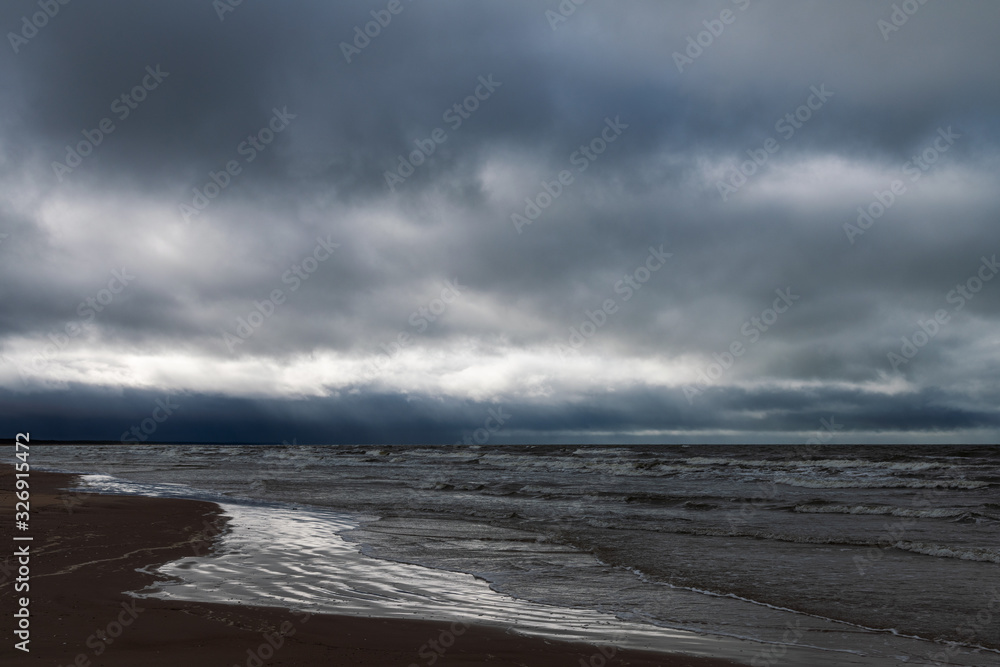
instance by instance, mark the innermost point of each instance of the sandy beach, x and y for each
(87, 552)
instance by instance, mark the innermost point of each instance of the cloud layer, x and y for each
(635, 221)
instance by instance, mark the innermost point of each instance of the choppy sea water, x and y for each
(832, 555)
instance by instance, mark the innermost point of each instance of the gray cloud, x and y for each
(522, 295)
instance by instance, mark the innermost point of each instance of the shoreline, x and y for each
(81, 566)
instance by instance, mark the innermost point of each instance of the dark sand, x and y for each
(86, 551)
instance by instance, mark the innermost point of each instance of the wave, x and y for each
(648, 579)
(968, 553)
(881, 483)
(980, 554)
(911, 466)
(881, 510)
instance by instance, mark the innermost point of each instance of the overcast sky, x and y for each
(635, 221)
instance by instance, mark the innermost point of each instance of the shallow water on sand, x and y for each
(297, 559)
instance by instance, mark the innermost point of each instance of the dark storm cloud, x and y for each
(324, 177)
(385, 418)
(226, 76)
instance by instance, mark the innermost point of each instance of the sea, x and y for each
(769, 555)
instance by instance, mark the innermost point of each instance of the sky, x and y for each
(506, 221)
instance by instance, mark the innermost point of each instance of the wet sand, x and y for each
(87, 551)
